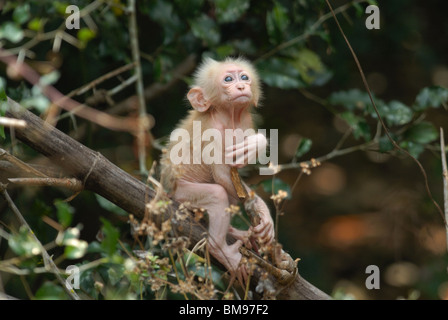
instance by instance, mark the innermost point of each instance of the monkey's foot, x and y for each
(230, 257)
(245, 237)
(284, 260)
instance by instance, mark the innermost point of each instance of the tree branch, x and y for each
(101, 176)
(156, 89)
(445, 180)
(101, 118)
(138, 86)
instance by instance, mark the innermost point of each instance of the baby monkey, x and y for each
(221, 96)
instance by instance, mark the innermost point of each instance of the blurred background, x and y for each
(368, 206)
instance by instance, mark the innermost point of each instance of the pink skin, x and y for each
(246, 152)
(215, 198)
(230, 112)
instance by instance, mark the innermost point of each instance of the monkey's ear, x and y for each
(197, 99)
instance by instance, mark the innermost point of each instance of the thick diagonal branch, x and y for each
(101, 176)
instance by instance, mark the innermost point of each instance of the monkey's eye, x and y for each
(244, 77)
(228, 79)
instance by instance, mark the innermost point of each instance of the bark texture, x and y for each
(101, 176)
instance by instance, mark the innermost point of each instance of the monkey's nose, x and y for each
(240, 86)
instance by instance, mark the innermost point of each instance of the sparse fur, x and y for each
(205, 77)
(219, 104)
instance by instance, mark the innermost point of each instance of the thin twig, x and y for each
(157, 88)
(55, 96)
(68, 183)
(103, 78)
(57, 35)
(299, 176)
(310, 31)
(386, 130)
(333, 154)
(343, 139)
(9, 122)
(35, 40)
(139, 87)
(20, 164)
(122, 85)
(445, 180)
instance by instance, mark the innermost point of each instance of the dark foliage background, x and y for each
(366, 207)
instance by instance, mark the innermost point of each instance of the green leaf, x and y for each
(50, 291)
(23, 243)
(422, 133)
(94, 247)
(190, 7)
(61, 7)
(166, 16)
(204, 272)
(160, 11)
(273, 186)
(85, 35)
(64, 212)
(230, 10)
(415, 149)
(75, 248)
(362, 130)
(205, 28)
(115, 274)
(359, 126)
(395, 113)
(225, 50)
(304, 146)
(109, 206)
(111, 235)
(385, 145)
(431, 97)
(359, 9)
(311, 68)
(11, 31)
(36, 100)
(36, 24)
(50, 78)
(21, 14)
(280, 73)
(66, 236)
(245, 46)
(277, 22)
(351, 99)
(3, 96)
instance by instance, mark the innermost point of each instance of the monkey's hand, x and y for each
(245, 237)
(246, 152)
(264, 232)
(230, 257)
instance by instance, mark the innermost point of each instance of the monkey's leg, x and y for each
(214, 199)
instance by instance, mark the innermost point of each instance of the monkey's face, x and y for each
(236, 85)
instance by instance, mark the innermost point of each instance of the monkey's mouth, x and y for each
(242, 97)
